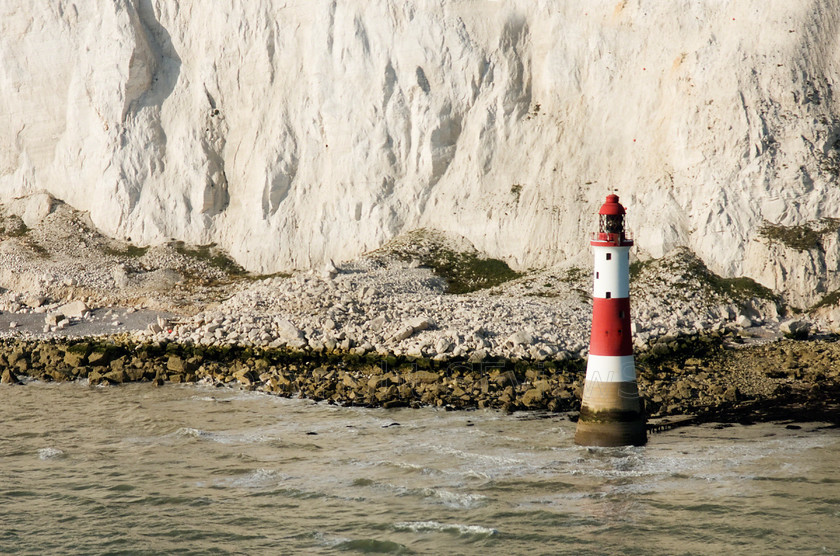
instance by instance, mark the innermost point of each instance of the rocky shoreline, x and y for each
(700, 378)
(425, 320)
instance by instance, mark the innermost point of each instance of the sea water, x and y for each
(201, 470)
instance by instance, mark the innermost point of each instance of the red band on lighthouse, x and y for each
(611, 327)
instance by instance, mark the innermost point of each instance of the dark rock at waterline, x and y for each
(75, 359)
(690, 375)
(102, 355)
(9, 377)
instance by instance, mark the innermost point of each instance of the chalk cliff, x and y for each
(293, 132)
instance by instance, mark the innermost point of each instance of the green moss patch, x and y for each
(828, 300)
(12, 226)
(455, 260)
(803, 237)
(467, 272)
(687, 272)
(211, 255)
(131, 251)
(739, 288)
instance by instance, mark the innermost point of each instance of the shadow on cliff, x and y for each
(168, 67)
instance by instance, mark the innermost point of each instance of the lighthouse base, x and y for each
(611, 414)
(593, 433)
(617, 433)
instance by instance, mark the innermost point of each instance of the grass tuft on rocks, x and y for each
(131, 251)
(466, 272)
(685, 271)
(574, 275)
(12, 226)
(454, 259)
(211, 255)
(258, 277)
(803, 237)
(738, 288)
(830, 299)
(39, 250)
(637, 267)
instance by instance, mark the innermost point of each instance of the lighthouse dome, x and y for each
(612, 207)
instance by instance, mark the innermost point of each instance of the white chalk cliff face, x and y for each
(292, 132)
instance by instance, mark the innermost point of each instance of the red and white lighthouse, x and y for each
(611, 412)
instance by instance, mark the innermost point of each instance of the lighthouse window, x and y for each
(609, 256)
(621, 314)
(597, 275)
(609, 295)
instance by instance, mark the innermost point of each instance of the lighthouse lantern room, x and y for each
(611, 412)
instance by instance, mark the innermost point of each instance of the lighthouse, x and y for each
(611, 412)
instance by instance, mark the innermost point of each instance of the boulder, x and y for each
(287, 331)
(376, 323)
(443, 345)
(116, 376)
(35, 300)
(53, 319)
(421, 323)
(76, 355)
(403, 333)
(478, 356)
(413, 326)
(795, 327)
(731, 394)
(120, 276)
(520, 338)
(9, 377)
(743, 321)
(532, 397)
(423, 377)
(103, 355)
(178, 364)
(74, 309)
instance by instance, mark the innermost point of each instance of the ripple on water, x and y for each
(404, 467)
(373, 546)
(243, 477)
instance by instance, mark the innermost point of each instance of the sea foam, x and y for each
(50, 453)
(457, 528)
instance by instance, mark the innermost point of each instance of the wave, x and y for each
(328, 540)
(223, 437)
(194, 433)
(488, 459)
(259, 478)
(455, 499)
(50, 453)
(458, 528)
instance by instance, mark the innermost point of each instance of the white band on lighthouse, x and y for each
(610, 368)
(612, 274)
